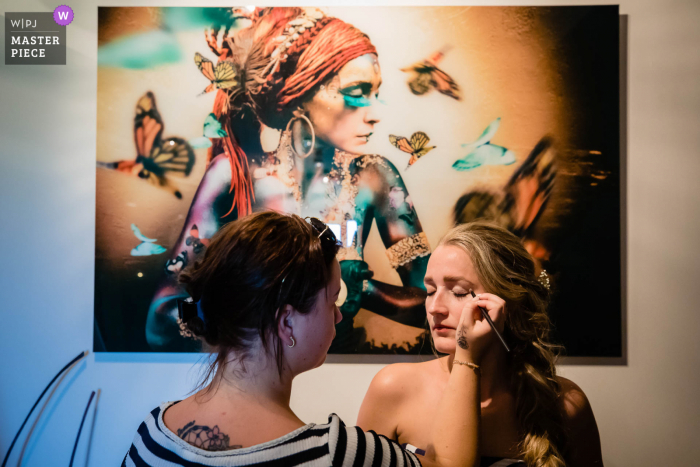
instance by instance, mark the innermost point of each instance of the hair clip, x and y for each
(543, 279)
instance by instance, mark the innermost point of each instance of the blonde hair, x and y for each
(506, 269)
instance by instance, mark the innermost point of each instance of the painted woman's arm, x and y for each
(406, 244)
(211, 201)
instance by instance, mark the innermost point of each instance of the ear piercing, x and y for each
(293, 342)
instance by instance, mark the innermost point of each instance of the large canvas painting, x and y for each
(391, 124)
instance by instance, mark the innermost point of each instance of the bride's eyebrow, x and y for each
(457, 279)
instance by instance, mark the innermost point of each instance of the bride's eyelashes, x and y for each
(459, 295)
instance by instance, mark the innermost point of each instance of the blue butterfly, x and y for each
(147, 247)
(212, 127)
(200, 142)
(483, 152)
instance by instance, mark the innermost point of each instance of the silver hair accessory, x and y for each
(543, 278)
(291, 33)
(293, 342)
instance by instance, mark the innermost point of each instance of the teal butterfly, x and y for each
(200, 142)
(212, 127)
(147, 247)
(482, 152)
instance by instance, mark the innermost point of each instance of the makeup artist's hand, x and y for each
(473, 331)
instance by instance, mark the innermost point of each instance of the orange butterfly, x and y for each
(222, 76)
(425, 75)
(156, 156)
(415, 146)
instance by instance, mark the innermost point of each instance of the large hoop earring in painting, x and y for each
(298, 116)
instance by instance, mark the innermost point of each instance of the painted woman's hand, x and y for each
(353, 273)
(473, 331)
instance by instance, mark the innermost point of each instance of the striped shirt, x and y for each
(331, 444)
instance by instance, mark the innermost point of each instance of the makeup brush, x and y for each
(493, 326)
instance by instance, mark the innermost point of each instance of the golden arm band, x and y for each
(406, 250)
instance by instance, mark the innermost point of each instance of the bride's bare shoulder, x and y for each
(400, 378)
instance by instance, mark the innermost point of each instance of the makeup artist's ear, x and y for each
(285, 324)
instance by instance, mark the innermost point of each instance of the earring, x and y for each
(293, 342)
(298, 116)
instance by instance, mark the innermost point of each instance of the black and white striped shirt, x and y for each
(331, 444)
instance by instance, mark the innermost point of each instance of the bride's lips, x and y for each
(442, 329)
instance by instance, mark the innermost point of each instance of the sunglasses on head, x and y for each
(325, 234)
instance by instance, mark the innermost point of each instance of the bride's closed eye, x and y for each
(459, 292)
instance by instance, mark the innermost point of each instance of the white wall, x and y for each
(647, 410)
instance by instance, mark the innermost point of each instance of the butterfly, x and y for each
(425, 75)
(200, 142)
(174, 266)
(521, 202)
(147, 247)
(483, 152)
(193, 240)
(415, 146)
(212, 127)
(156, 157)
(222, 76)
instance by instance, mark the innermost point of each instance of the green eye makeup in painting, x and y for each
(357, 95)
(353, 101)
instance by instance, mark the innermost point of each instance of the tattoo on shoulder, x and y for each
(462, 340)
(204, 437)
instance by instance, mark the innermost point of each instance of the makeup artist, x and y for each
(265, 300)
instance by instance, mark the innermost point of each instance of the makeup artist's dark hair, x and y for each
(252, 268)
(506, 269)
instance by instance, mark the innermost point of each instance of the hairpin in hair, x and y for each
(543, 278)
